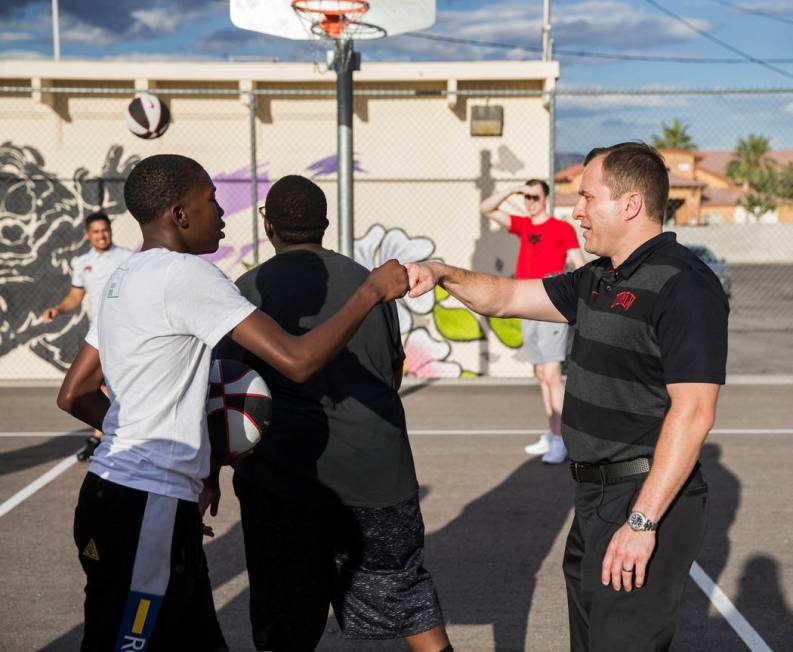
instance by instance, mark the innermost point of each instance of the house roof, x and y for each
(716, 160)
(677, 181)
(721, 196)
(568, 173)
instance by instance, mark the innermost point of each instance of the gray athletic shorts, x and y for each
(544, 341)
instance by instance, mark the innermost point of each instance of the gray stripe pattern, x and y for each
(650, 277)
(153, 557)
(615, 393)
(585, 448)
(616, 330)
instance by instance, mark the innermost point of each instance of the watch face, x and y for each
(636, 521)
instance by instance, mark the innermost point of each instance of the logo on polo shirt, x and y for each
(87, 269)
(624, 300)
(535, 238)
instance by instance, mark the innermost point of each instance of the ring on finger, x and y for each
(627, 570)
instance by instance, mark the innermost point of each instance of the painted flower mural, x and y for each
(380, 245)
(425, 357)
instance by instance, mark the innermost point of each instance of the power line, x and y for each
(756, 12)
(718, 41)
(585, 54)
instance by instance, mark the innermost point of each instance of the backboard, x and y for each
(279, 18)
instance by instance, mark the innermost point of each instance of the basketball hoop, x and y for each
(337, 19)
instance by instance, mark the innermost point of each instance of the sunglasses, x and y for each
(533, 197)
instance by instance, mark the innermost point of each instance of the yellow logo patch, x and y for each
(90, 551)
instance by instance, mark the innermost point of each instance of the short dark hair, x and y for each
(539, 182)
(96, 217)
(635, 166)
(297, 209)
(158, 182)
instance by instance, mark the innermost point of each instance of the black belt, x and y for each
(609, 473)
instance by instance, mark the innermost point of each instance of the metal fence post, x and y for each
(552, 143)
(254, 179)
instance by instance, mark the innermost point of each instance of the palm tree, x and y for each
(675, 136)
(751, 165)
(757, 172)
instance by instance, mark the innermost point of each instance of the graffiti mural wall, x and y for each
(41, 232)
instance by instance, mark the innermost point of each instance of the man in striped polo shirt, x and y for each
(648, 357)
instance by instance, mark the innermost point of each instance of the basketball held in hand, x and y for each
(239, 409)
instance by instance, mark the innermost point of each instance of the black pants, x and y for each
(147, 584)
(643, 620)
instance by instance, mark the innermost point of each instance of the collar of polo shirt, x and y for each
(634, 261)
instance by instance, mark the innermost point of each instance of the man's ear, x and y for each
(179, 216)
(633, 202)
(268, 229)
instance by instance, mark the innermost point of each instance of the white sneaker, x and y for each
(541, 446)
(557, 453)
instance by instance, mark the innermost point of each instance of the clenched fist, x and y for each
(422, 278)
(390, 280)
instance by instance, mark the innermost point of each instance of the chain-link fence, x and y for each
(420, 175)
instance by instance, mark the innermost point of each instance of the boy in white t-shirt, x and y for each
(138, 525)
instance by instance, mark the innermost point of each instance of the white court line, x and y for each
(727, 609)
(522, 431)
(37, 484)
(491, 432)
(34, 433)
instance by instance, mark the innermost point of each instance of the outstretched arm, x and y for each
(67, 304)
(300, 357)
(489, 295)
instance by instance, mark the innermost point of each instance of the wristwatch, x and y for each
(638, 522)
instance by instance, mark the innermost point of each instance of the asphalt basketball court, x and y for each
(496, 522)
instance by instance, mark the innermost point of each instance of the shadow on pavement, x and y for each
(485, 562)
(54, 448)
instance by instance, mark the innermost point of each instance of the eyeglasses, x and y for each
(261, 212)
(533, 197)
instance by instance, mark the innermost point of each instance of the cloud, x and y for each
(616, 25)
(22, 55)
(124, 18)
(9, 37)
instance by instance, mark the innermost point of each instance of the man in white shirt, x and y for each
(138, 522)
(89, 275)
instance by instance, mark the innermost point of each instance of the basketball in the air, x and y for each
(147, 116)
(239, 409)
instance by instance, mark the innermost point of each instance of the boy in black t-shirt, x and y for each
(329, 498)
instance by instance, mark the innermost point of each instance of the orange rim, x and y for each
(356, 8)
(332, 16)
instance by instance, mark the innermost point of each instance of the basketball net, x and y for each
(329, 24)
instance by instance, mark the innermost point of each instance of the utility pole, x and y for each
(56, 32)
(546, 30)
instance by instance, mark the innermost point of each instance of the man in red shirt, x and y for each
(545, 244)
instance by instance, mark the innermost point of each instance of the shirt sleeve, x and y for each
(92, 336)
(691, 325)
(569, 237)
(77, 273)
(517, 224)
(202, 301)
(562, 290)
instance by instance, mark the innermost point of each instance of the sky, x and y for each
(586, 34)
